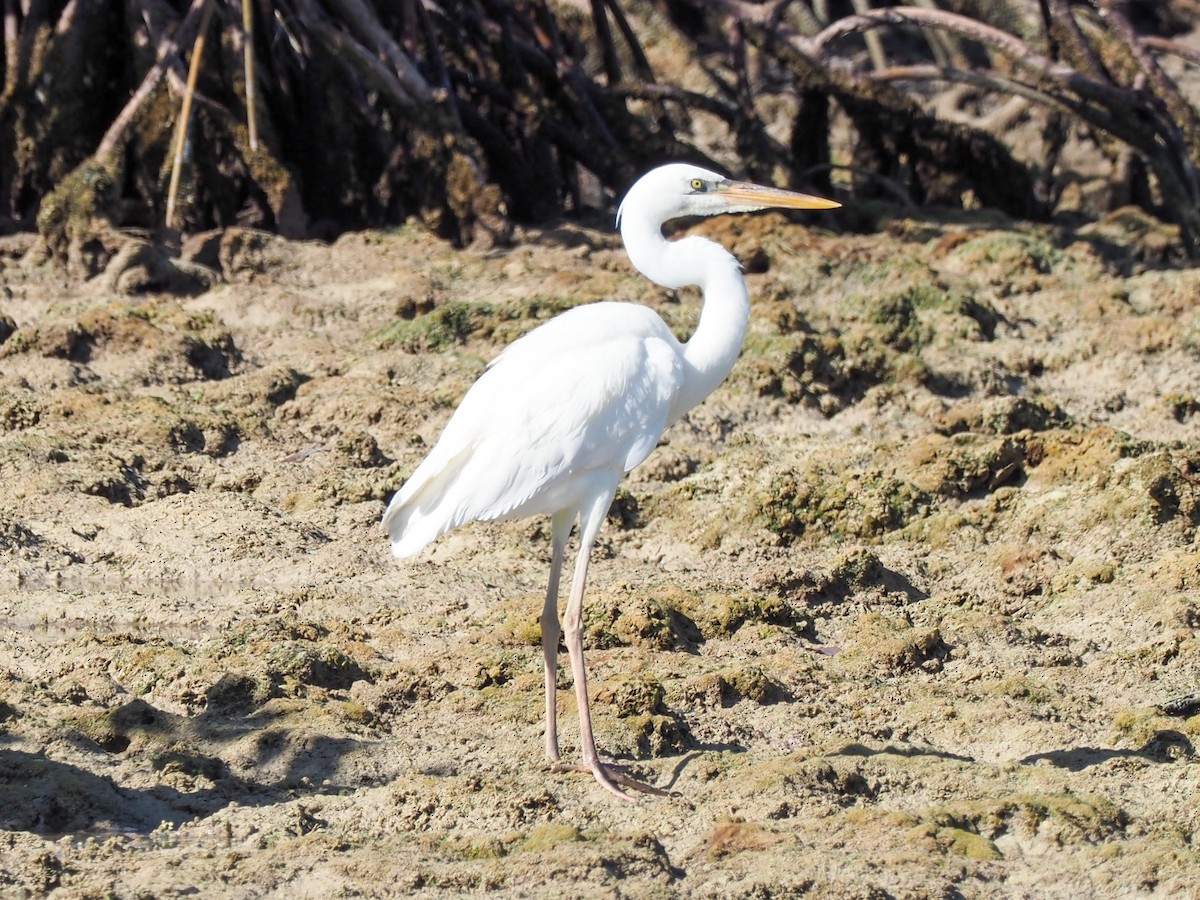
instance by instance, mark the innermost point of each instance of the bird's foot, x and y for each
(609, 775)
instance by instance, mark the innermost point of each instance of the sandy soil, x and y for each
(908, 608)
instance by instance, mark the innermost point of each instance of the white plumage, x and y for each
(502, 456)
(562, 413)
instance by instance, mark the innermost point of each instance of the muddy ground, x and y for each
(908, 608)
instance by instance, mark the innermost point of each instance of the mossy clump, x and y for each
(924, 311)
(1007, 257)
(966, 465)
(548, 837)
(292, 655)
(235, 693)
(252, 397)
(1062, 819)
(1133, 481)
(1144, 728)
(446, 326)
(118, 728)
(636, 619)
(827, 372)
(1130, 236)
(895, 317)
(731, 686)
(518, 622)
(645, 736)
(389, 695)
(174, 345)
(721, 615)
(957, 841)
(75, 218)
(495, 670)
(667, 618)
(846, 504)
(885, 647)
(838, 778)
(155, 423)
(294, 664)
(1002, 416)
(632, 695)
(643, 726)
(454, 323)
(1169, 487)
(18, 411)
(1023, 687)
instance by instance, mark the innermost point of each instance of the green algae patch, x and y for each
(956, 842)
(549, 837)
(642, 726)
(1002, 415)
(1010, 258)
(631, 695)
(632, 617)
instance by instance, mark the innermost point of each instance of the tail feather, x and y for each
(420, 512)
(441, 495)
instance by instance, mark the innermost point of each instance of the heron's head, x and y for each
(679, 189)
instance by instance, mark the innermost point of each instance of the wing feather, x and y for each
(589, 391)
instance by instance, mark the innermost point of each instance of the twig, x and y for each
(185, 115)
(248, 56)
(34, 21)
(890, 185)
(874, 43)
(1008, 45)
(12, 43)
(1064, 32)
(608, 50)
(1177, 114)
(641, 65)
(1166, 45)
(722, 110)
(988, 80)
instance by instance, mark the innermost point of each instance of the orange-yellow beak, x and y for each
(745, 193)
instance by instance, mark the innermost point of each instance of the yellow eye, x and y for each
(698, 184)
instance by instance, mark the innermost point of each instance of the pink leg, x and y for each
(560, 531)
(589, 525)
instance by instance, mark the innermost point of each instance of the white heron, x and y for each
(566, 410)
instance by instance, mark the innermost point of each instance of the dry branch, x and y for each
(248, 64)
(167, 52)
(185, 115)
(365, 112)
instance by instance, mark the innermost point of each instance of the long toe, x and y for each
(609, 776)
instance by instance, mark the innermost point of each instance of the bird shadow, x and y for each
(1166, 746)
(697, 752)
(908, 752)
(840, 586)
(46, 796)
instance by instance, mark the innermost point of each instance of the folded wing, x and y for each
(590, 391)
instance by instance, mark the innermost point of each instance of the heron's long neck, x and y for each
(715, 344)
